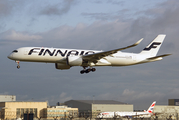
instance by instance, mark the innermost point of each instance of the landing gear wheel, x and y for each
(82, 71)
(18, 67)
(87, 70)
(93, 69)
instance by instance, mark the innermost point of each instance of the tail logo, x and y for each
(153, 45)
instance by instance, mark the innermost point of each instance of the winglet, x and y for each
(138, 41)
(130, 45)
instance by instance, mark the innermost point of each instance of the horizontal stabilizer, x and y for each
(152, 58)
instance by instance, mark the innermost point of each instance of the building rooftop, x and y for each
(99, 101)
(21, 101)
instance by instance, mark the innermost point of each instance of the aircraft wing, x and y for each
(97, 56)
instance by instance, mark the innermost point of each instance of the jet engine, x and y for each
(74, 60)
(62, 66)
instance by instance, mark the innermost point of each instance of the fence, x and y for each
(85, 115)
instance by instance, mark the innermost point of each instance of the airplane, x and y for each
(145, 114)
(66, 58)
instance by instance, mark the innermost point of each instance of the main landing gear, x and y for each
(18, 66)
(87, 70)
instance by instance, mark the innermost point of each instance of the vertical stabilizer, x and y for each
(153, 48)
(150, 110)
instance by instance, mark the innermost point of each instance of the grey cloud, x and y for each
(96, 1)
(108, 35)
(8, 6)
(101, 16)
(93, 36)
(58, 9)
(107, 1)
(4, 93)
(61, 97)
(12, 35)
(116, 2)
(5, 7)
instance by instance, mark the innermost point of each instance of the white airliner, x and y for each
(67, 58)
(145, 114)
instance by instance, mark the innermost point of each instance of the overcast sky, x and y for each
(96, 25)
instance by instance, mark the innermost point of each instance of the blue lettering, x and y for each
(62, 54)
(49, 52)
(33, 51)
(73, 52)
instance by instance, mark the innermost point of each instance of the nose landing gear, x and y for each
(18, 66)
(87, 70)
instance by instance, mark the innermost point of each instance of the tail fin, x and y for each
(150, 110)
(153, 48)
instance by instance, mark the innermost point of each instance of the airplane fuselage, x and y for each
(145, 114)
(67, 58)
(54, 55)
(124, 114)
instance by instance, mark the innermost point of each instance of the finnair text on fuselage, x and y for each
(56, 52)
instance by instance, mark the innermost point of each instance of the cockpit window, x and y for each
(15, 51)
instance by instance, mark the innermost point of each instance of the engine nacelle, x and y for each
(61, 66)
(74, 60)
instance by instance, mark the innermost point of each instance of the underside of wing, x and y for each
(97, 56)
(64, 60)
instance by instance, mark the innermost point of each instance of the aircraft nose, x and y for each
(10, 56)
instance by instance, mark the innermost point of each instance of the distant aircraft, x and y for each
(67, 58)
(145, 114)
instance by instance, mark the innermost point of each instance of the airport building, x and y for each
(174, 102)
(60, 112)
(11, 110)
(18, 109)
(5, 98)
(168, 111)
(99, 105)
(91, 108)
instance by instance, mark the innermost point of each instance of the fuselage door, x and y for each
(26, 51)
(134, 57)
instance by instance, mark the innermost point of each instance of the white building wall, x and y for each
(166, 109)
(164, 112)
(7, 98)
(112, 107)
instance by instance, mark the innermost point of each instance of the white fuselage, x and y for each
(55, 55)
(124, 114)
